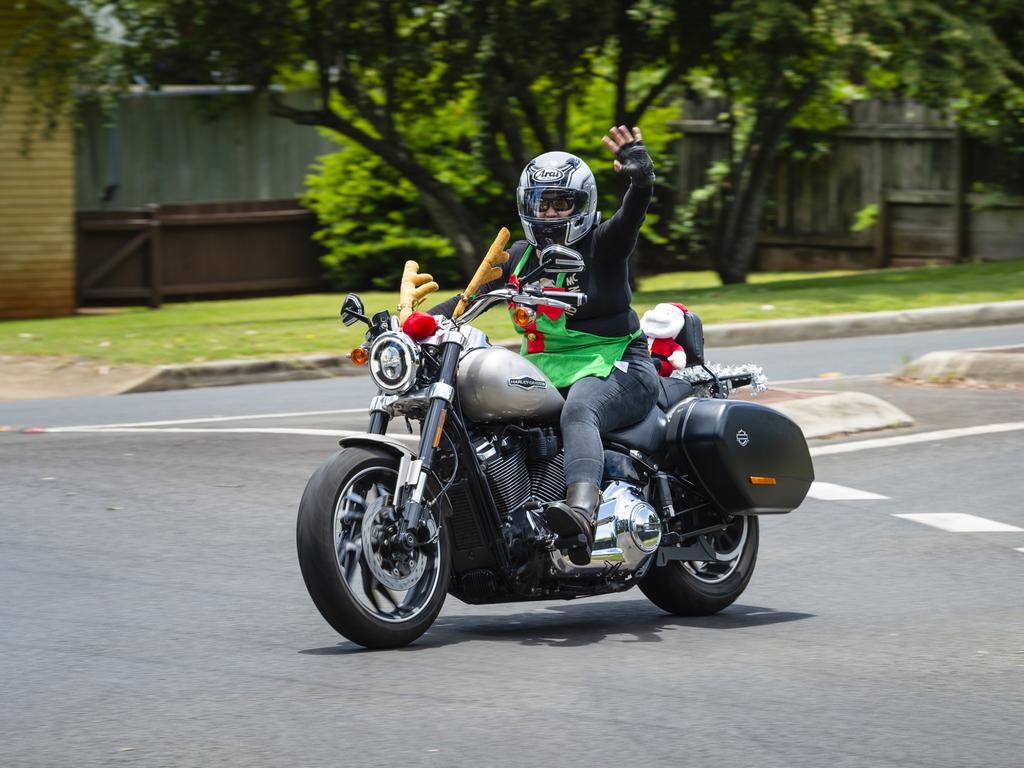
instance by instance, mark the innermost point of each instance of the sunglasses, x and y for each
(560, 204)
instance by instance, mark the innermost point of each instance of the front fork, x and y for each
(412, 473)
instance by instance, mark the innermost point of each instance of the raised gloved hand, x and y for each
(631, 155)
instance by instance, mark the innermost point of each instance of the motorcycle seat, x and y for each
(646, 436)
(672, 391)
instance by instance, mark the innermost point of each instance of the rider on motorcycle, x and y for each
(597, 355)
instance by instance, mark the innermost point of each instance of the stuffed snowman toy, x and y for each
(663, 326)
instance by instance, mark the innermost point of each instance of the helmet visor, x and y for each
(546, 203)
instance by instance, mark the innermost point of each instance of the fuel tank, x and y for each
(496, 384)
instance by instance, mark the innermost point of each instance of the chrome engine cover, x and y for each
(628, 532)
(496, 384)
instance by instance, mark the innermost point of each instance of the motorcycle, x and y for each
(385, 532)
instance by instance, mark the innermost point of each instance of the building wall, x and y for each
(37, 259)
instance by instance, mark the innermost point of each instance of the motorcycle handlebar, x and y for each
(576, 299)
(565, 300)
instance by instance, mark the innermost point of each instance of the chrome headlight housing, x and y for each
(394, 358)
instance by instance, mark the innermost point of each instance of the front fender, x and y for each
(378, 441)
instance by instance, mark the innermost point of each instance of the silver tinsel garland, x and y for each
(700, 379)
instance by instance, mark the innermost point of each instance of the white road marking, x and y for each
(960, 522)
(919, 437)
(1020, 549)
(833, 492)
(207, 420)
(821, 450)
(242, 431)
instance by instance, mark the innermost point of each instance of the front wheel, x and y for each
(701, 588)
(365, 585)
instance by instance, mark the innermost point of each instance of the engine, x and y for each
(627, 533)
(525, 469)
(522, 465)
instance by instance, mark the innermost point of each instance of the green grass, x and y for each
(297, 325)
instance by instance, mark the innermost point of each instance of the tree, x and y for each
(67, 61)
(520, 68)
(382, 71)
(524, 76)
(386, 71)
(783, 62)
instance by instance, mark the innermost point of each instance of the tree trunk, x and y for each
(497, 122)
(737, 244)
(740, 221)
(625, 60)
(443, 206)
(453, 220)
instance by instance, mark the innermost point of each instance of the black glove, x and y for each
(637, 164)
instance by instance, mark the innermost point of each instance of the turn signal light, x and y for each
(762, 480)
(359, 356)
(440, 428)
(523, 316)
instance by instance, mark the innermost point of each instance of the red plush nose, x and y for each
(419, 325)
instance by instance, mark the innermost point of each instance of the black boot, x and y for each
(575, 516)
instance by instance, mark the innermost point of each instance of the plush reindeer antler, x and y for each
(489, 269)
(415, 288)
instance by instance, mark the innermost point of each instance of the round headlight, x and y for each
(394, 358)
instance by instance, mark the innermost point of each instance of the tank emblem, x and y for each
(525, 382)
(742, 438)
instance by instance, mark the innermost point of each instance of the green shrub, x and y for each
(372, 217)
(372, 223)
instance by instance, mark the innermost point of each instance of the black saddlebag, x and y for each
(748, 458)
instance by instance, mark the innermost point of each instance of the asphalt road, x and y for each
(153, 612)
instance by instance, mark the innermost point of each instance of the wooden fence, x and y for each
(907, 160)
(197, 251)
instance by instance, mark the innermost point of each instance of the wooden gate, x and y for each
(196, 250)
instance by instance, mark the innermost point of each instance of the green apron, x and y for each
(563, 355)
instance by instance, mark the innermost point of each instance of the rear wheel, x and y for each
(704, 587)
(363, 583)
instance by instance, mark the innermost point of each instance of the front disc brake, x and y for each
(392, 566)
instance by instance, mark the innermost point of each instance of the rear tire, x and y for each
(340, 496)
(695, 589)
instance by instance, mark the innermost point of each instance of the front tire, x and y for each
(349, 573)
(704, 588)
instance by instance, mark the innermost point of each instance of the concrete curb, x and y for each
(234, 372)
(237, 372)
(977, 365)
(837, 413)
(864, 324)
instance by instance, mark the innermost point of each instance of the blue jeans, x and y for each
(594, 406)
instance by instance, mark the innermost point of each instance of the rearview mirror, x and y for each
(352, 310)
(558, 258)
